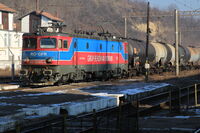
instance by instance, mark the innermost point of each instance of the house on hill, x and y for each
(6, 17)
(10, 42)
(31, 21)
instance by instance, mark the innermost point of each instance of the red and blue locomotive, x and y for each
(54, 58)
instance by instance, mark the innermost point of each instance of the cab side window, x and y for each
(87, 45)
(60, 43)
(65, 44)
(100, 46)
(75, 45)
(112, 47)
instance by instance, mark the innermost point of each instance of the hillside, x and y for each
(93, 15)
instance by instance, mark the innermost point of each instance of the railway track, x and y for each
(167, 77)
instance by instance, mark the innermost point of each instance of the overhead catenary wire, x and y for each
(184, 4)
(167, 14)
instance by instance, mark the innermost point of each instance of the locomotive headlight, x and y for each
(26, 60)
(49, 60)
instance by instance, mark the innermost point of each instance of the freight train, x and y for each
(50, 58)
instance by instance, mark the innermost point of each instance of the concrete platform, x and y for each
(16, 106)
(129, 91)
(8, 87)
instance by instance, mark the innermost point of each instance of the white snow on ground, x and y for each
(3, 97)
(100, 94)
(182, 117)
(172, 117)
(31, 105)
(129, 80)
(13, 104)
(42, 94)
(60, 104)
(196, 111)
(144, 89)
(32, 117)
(130, 89)
(5, 121)
(35, 94)
(61, 91)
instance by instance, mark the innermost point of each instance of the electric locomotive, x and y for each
(50, 58)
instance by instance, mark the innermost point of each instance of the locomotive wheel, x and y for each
(124, 74)
(59, 83)
(106, 76)
(72, 76)
(66, 77)
(88, 77)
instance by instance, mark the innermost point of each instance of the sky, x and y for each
(183, 5)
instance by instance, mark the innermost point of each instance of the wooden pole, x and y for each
(147, 47)
(37, 5)
(125, 27)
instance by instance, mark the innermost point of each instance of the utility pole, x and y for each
(125, 18)
(37, 5)
(176, 42)
(125, 27)
(147, 66)
(180, 37)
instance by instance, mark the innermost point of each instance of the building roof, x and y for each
(46, 14)
(6, 8)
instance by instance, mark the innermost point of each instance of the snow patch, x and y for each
(144, 89)
(34, 94)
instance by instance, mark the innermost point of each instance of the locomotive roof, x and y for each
(73, 35)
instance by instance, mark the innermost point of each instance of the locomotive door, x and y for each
(98, 54)
(75, 52)
(107, 54)
(59, 51)
(118, 57)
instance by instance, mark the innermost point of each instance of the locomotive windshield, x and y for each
(48, 43)
(29, 43)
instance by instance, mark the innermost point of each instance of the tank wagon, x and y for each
(54, 58)
(161, 57)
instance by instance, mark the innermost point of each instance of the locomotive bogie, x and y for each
(42, 75)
